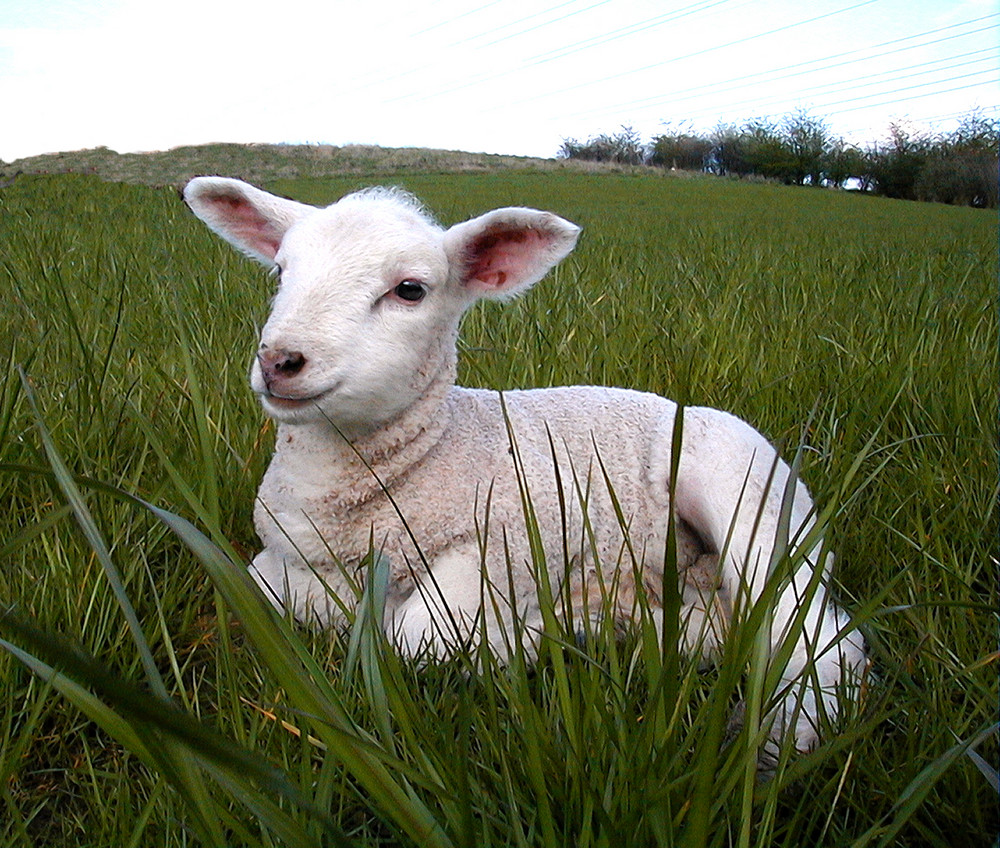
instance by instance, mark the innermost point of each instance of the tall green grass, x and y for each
(131, 448)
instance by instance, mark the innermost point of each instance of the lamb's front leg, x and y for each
(730, 488)
(289, 584)
(451, 608)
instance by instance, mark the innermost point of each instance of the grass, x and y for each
(875, 321)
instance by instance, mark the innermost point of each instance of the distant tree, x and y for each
(898, 162)
(977, 140)
(838, 164)
(842, 162)
(808, 141)
(569, 149)
(680, 148)
(962, 168)
(976, 132)
(768, 152)
(628, 147)
(728, 156)
(625, 148)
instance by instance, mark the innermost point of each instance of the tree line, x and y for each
(960, 167)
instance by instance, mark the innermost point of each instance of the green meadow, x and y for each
(147, 697)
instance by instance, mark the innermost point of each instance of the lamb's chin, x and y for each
(292, 410)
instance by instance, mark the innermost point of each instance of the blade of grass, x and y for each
(918, 789)
(96, 541)
(231, 765)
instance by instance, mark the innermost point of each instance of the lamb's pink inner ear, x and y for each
(246, 223)
(501, 254)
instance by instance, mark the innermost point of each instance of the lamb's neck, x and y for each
(355, 470)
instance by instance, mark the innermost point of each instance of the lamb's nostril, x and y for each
(289, 363)
(278, 364)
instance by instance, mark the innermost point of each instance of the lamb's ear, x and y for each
(251, 219)
(505, 251)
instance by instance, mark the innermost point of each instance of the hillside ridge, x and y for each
(264, 162)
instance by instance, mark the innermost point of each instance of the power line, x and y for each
(826, 106)
(992, 72)
(494, 30)
(937, 119)
(797, 69)
(545, 24)
(559, 11)
(490, 76)
(866, 81)
(622, 32)
(702, 52)
(452, 20)
(411, 69)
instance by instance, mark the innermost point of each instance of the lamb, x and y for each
(377, 446)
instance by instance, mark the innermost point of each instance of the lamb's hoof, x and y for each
(735, 724)
(767, 756)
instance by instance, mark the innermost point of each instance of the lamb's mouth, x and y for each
(289, 402)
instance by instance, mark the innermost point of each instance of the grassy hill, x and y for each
(268, 162)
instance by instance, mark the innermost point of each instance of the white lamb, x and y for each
(357, 364)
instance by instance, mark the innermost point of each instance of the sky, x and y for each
(500, 76)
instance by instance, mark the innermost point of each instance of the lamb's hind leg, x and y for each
(730, 489)
(827, 662)
(705, 608)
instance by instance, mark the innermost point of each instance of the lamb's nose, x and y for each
(279, 364)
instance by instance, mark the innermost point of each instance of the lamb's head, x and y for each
(370, 292)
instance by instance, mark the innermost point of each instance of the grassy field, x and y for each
(860, 330)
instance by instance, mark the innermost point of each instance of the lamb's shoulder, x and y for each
(591, 412)
(495, 444)
(592, 440)
(623, 433)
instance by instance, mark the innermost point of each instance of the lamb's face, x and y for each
(370, 292)
(363, 319)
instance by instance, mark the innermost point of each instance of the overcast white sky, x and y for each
(507, 76)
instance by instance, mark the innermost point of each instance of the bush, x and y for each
(624, 148)
(729, 152)
(842, 161)
(769, 153)
(896, 165)
(808, 141)
(962, 168)
(680, 149)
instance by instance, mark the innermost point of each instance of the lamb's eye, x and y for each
(410, 291)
